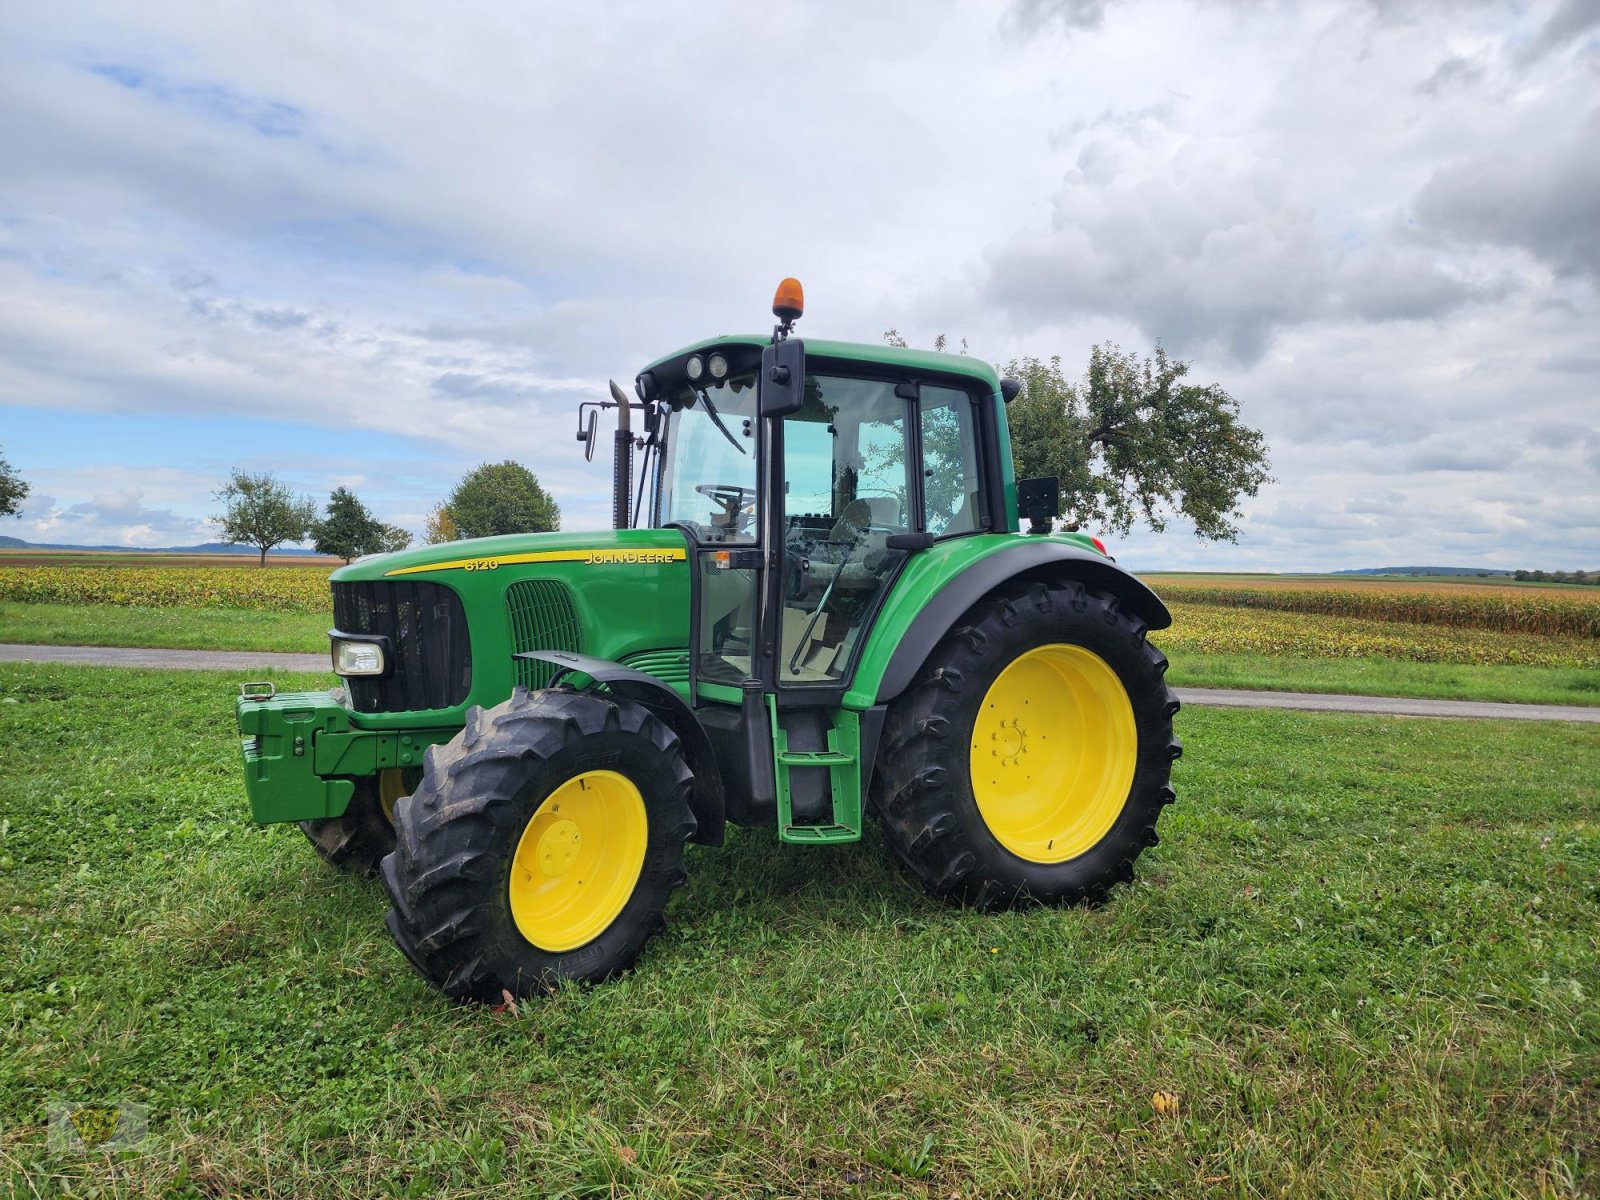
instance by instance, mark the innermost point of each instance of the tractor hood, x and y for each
(610, 547)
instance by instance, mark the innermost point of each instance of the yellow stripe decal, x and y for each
(600, 556)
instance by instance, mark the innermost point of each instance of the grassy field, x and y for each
(1364, 959)
(1387, 677)
(179, 628)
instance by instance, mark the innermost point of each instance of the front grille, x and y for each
(543, 617)
(427, 631)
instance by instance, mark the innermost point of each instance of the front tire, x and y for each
(1031, 758)
(542, 845)
(358, 838)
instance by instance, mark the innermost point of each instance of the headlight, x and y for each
(357, 658)
(694, 368)
(718, 366)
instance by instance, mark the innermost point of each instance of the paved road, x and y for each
(167, 660)
(1393, 705)
(246, 661)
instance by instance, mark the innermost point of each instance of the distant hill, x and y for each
(1474, 571)
(11, 543)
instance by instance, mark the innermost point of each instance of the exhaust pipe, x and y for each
(622, 461)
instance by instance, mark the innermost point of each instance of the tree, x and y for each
(439, 526)
(1133, 441)
(13, 489)
(261, 511)
(500, 498)
(392, 539)
(349, 530)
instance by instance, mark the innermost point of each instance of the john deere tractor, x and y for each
(817, 605)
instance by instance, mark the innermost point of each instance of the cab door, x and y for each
(851, 485)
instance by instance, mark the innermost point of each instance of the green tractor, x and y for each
(816, 605)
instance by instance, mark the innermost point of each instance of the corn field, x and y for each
(1447, 624)
(1549, 613)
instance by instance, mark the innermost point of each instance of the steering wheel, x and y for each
(733, 499)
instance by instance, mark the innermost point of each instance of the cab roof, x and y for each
(871, 353)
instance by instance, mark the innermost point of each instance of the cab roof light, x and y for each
(789, 302)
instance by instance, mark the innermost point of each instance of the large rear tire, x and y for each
(1031, 758)
(542, 845)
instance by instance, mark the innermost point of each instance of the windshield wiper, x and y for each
(711, 411)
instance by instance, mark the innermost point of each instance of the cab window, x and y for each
(953, 497)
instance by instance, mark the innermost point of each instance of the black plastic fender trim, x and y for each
(709, 803)
(942, 612)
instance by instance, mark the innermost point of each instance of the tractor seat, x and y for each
(885, 510)
(854, 521)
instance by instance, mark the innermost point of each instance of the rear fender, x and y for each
(1024, 560)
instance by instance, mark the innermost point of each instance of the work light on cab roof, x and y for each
(788, 303)
(816, 603)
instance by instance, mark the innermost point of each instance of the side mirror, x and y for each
(909, 541)
(783, 378)
(586, 436)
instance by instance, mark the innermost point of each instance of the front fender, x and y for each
(708, 802)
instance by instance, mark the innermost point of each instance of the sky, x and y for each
(373, 245)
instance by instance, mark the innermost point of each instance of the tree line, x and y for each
(260, 510)
(1588, 578)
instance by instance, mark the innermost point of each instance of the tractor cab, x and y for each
(873, 465)
(803, 477)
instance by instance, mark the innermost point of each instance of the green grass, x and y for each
(1385, 677)
(1364, 957)
(176, 628)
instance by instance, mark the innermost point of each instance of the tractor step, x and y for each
(815, 758)
(820, 835)
(842, 761)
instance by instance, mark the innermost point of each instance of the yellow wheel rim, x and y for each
(1053, 753)
(391, 786)
(578, 860)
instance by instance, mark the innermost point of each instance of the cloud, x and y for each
(116, 518)
(1571, 18)
(1452, 73)
(279, 318)
(1289, 175)
(1461, 456)
(1028, 17)
(1201, 241)
(1370, 222)
(1542, 196)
